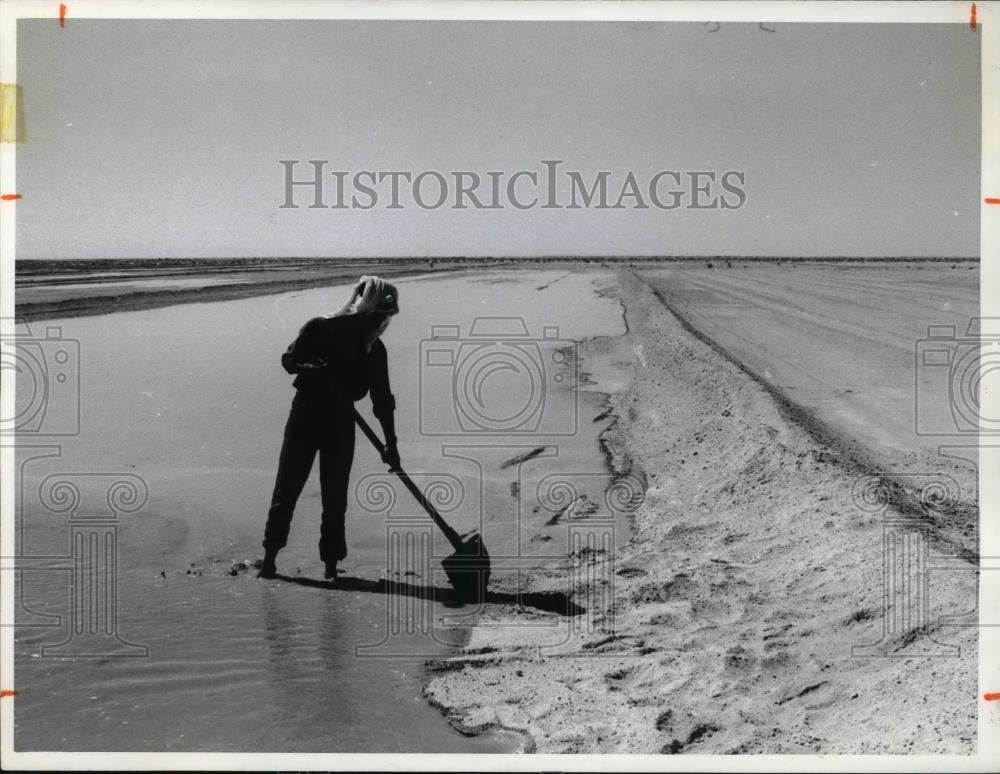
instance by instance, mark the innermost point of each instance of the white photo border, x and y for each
(791, 11)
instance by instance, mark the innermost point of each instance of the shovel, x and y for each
(468, 569)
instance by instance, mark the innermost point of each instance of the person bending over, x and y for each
(337, 359)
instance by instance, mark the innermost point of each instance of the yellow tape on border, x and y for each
(11, 113)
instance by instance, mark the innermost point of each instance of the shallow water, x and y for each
(189, 402)
(28, 294)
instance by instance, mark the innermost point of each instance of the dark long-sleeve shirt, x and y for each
(339, 342)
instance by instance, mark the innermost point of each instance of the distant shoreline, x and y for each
(86, 306)
(51, 289)
(27, 267)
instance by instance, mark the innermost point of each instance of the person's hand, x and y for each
(390, 456)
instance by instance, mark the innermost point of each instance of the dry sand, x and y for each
(750, 575)
(839, 343)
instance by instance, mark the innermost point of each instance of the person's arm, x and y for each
(384, 403)
(301, 356)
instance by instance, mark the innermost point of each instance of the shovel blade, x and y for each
(468, 569)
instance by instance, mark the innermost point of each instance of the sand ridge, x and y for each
(750, 576)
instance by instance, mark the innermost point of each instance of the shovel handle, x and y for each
(451, 534)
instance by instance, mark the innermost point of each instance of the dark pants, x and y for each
(312, 427)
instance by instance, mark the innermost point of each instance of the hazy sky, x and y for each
(162, 138)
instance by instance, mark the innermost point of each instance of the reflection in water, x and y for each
(281, 674)
(308, 676)
(277, 630)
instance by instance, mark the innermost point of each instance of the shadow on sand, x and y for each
(546, 601)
